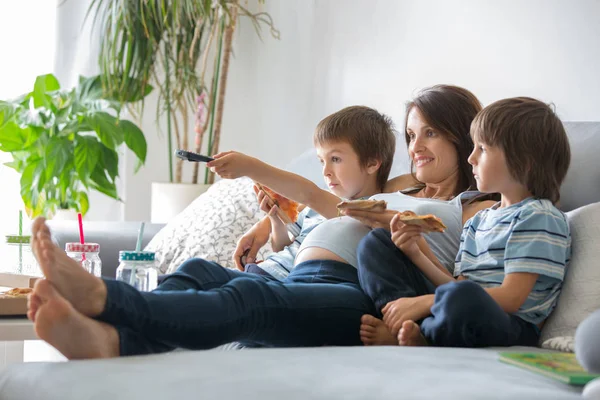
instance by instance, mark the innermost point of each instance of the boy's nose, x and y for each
(471, 160)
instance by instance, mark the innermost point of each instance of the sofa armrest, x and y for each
(112, 237)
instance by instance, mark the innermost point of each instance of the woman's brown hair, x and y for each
(449, 110)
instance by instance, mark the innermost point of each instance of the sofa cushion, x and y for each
(580, 294)
(210, 226)
(349, 373)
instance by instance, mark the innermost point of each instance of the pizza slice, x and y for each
(429, 222)
(289, 207)
(18, 292)
(364, 205)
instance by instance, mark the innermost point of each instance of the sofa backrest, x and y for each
(581, 186)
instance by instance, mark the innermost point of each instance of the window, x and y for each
(28, 28)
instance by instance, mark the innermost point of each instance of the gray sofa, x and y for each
(308, 373)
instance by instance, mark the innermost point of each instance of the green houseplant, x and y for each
(183, 48)
(65, 142)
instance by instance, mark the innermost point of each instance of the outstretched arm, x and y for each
(233, 165)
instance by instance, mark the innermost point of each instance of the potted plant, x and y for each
(65, 143)
(183, 49)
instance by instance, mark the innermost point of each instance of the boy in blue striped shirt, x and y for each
(512, 258)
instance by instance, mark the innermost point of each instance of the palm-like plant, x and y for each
(170, 44)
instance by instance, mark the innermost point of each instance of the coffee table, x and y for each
(13, 333)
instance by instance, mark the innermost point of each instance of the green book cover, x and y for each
(561, 366)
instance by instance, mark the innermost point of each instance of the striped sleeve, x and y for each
(461, 248)
(538, 243)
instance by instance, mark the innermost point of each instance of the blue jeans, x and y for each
(204, 305)
(463, 314)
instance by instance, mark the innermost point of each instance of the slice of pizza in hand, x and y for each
(289, 207)
(429, 222)
(364, 205)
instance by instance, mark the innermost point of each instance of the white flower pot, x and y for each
(169, 199)
(65, 215)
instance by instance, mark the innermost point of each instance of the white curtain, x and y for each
(28, 31)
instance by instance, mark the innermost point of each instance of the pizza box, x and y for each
(14, 305)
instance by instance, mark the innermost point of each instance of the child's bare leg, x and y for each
(410, 335)
(70, 332)
(83, 290)
(373, 332)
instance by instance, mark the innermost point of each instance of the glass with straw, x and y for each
(86, 254)
(138, 268)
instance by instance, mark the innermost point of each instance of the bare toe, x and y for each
(410, 335)
(373, 331)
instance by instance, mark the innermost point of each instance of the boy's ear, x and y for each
(373, 166)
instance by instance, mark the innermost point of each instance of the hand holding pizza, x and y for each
(406, 236)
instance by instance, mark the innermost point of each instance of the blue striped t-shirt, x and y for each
(531, 236)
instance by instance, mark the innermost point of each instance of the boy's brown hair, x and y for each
(533, 139)
(370, 134)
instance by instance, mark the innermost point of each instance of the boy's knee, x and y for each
(375, 241)
(459, 298)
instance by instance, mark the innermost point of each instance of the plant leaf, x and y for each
(83, 202)
(87, 154)
(13, 137)
(7, 111)
(135, 140)
(43, 85)
(105, 125)
(111, 162)
(58, 153)
(101, 183)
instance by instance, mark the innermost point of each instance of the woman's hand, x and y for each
(373, 219)
(251, 242)
(406, 309)
(406, 237)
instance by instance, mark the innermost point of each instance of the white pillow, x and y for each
(209, 227)
(580, 295)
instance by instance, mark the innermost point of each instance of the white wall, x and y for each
(335, 53)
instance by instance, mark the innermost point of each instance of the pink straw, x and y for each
(81, 238)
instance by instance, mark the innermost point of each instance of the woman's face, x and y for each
(435, 158)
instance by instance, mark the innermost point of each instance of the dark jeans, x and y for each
(463, 315)
(385, 273)
(204, 305)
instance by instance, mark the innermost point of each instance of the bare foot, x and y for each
(70, 332)
(410, 335)
(33, 304)
(83, 290)
(373, 332)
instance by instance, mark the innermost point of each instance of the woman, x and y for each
(437, 125)
(137, 323)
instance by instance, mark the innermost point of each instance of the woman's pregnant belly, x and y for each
(317, 253)
(335, 239)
